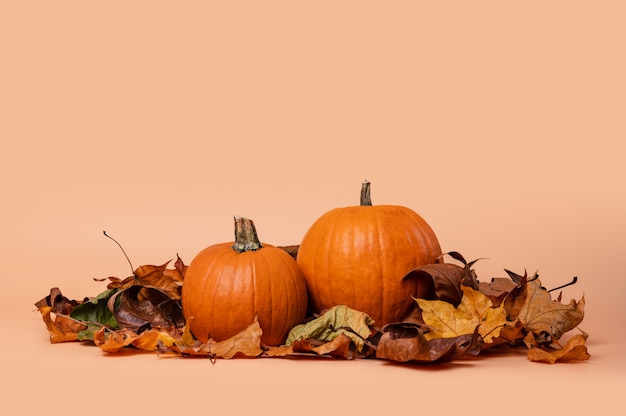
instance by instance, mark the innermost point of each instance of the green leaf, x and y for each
(337, 320)
(88, 334)
(95, 310)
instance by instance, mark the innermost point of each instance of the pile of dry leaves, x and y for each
(460, 316)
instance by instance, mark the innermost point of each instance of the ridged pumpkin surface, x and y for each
(224, 289)
(358, 255)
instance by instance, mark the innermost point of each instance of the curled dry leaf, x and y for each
(443, 281)
(139, 306)
(246, 343)
(114, 341)
(57, 302)
(408, 343)
(167, 280)
(574, 349)
(62, 328)
(335, 321)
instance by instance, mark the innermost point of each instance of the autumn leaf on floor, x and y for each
(62, 328)
(341, 346)
(406, 342)
(56, 311)
(574, 349)
(246, 343)
(474, 311)
(337, 320)
(114, 341)
(546, 318)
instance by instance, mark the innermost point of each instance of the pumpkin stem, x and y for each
(366, 198)
(246, 238)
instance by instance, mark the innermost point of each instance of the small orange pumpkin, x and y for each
(358, 256)
(227, 284)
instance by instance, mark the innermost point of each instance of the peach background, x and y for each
(501, 123)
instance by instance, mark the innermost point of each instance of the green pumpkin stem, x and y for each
(366, 198)
(246, 238)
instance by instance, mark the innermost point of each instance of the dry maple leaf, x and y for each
(548, 318)
(475, 310)
(167, 280)
(246, 343)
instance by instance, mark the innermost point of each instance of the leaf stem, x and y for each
(574, 280)
(132, 269)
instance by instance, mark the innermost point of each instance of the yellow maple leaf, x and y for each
(475, 309)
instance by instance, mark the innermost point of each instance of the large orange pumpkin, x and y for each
(227, 284)
(358, 256)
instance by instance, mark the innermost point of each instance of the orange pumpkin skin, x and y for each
(358, 256)
(223, 289)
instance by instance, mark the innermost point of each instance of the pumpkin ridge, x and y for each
(216, 269)
(330, 280)
(381, 262)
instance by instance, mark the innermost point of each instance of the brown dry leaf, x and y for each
(150, 340)
(574, 350)
(61, 328)
(543, 316)
(338, 347)
(279, 351)
(475, 310)
(511, 334)
(341, 346)
(407, 343)
(167, 280)
(113, 341)
(139, 306)
(58, 302)
(246, 343)
(443, 281)
(497, 290)
(438, 281)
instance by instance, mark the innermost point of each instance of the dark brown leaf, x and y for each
(440, 281)
(407, 343)
(497, 289)
(144, 307)
(58, 303)
(167, 280)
